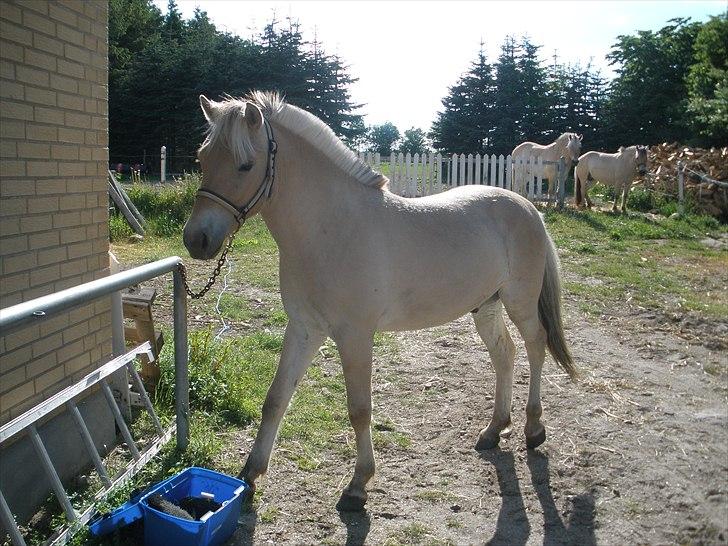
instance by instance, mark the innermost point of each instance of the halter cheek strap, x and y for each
(265, 189)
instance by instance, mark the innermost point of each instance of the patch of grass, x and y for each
(276, 318)
(119, 228)
(414, 533)
(269, 514)
(434, 496)
(227, 379)
(166, 207)
(652, 261)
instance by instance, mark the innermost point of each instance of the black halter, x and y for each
(265, 189)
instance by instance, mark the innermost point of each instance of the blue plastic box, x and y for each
(162, 529)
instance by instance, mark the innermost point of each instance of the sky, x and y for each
(406, 54)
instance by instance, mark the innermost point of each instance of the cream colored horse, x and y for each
(616, 170)
(567, 145)
(350, 254)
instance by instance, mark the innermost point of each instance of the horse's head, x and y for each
(640, 159)
(573, 147)
(237, 159)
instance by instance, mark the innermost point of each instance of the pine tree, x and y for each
(509, 104)
(534, 120)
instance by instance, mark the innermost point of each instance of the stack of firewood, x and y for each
(705, 170)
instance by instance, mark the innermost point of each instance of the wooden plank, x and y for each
(392, 166)
(461, 171)
(138, 311)
(414, 174)
(130, 218)
(478, 162)
(469, 179)
(529, 177)
(438, 160)
(509, 173)
(129, 203)
(452, 179)
(430, 173)
(493, 181)
(501, 171)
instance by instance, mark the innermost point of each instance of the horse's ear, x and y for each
(253, 116)
(581, 137)
(208, 108)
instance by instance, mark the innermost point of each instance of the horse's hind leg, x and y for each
(522, 308)
(356, 360)
(492, 330)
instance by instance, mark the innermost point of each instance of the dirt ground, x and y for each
(636, 450)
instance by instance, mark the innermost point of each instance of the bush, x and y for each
(165, 207)
(119, 228)
(227, 378)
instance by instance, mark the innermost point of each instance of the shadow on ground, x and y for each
(513, 527)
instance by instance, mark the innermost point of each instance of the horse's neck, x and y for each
(308, 186)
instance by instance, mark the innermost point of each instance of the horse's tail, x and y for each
(549, 312)
(577, 187)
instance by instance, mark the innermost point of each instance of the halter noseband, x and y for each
(266, 186)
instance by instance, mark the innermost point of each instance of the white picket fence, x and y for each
(425, 174)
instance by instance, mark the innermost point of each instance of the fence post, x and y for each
(163, 168)
(181, 362)
(680, 188)
(561, 181)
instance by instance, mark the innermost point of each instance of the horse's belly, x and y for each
(429, 305)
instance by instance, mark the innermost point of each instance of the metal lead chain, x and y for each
(215, 273)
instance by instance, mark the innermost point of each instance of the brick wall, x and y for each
(53, 189)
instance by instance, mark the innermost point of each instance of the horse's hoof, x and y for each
(351, 503)
(532, 442)
(487, 442)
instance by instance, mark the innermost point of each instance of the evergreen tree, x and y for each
(509, 103)
(466, 122)
(534, 123)
(159, 65)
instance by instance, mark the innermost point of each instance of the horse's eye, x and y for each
(245, 167)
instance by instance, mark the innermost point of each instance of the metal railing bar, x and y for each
(124, 476)
(119, 419)
(181, 359)
(50, 471)
(145, 397)
(22, 314)
(31, 416)
(8, 521)
(88, 441)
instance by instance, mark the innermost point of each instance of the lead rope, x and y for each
(215, 273)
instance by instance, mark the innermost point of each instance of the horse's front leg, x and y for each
(617, 191)
(299, 347)
(625, 195)
(356, 360)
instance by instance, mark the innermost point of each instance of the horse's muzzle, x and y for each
(199, 245)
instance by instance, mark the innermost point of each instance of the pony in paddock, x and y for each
(617, 170)
(567, 145)
(347, 249)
